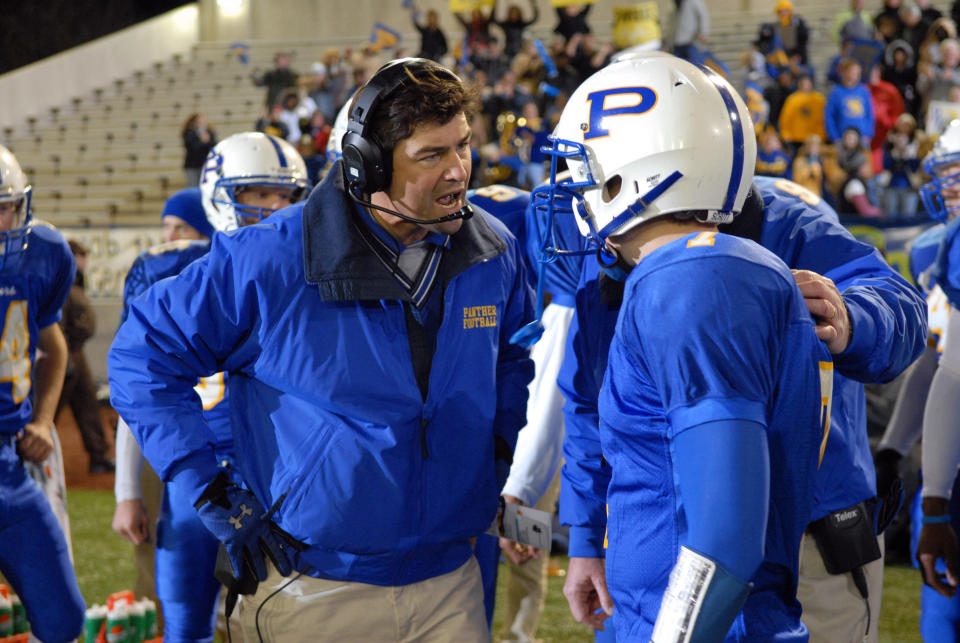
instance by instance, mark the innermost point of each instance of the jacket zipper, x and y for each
(423, 438)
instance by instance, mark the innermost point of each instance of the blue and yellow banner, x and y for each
(383, 37)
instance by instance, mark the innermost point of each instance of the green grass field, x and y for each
(104, 564)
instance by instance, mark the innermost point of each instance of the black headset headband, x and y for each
(366, 163)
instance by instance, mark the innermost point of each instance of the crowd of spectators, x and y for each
(858, 140)
(852, 132)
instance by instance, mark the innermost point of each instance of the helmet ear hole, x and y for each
(611, 188)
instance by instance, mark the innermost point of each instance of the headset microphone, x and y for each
(463, 213)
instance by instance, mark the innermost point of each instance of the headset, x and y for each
(367, 166)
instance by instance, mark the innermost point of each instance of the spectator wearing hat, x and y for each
(792, 30)
(900, 70)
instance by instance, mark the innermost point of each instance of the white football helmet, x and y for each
(337, 131)
(942, 164)
(14, 189)
(248, 159)
(650, 135)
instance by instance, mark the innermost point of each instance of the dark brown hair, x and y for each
(430, 94)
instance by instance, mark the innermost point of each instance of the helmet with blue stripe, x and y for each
(652, 135)
(335, 142)
(243, 161)
(15, 201)
(941, 196)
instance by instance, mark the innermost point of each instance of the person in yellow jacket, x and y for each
(802, 114)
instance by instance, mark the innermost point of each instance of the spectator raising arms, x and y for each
(513, 27)
(433, 42)
(278, 79)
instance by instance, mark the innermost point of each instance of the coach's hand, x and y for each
(130, 521)
(586, 591)
(517, 553)
(36, 443)
(237, 519)
(826, 305)
(938, 542)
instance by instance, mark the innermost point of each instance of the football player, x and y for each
(665, 370)
(246, 177)
(36, 273)
(939, 514)
(804, 232)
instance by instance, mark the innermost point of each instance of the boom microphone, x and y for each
(463, 213)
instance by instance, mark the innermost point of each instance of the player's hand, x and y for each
(826, 305)
(586, 591)
(130, 521)
(36, 443)
(938, 542)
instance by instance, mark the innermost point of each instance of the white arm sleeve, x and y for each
(941, 419)
(539, 444)
(906, 421)
(126, 485)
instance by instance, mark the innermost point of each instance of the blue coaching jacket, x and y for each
(384, 486)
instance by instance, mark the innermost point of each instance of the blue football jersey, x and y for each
(923, 256)
(946, 269)
(509, 205)
(35, 280)
(712, 327)
(166, 260)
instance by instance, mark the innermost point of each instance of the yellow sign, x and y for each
(469, 5)
(635, 24)
(567, 3)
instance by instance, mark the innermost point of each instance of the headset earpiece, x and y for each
(367, 165)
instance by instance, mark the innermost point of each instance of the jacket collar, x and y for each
(344, 268)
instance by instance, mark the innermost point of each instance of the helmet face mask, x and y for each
(243, 161)
(941, 196)
(15, 202)
(653, 135)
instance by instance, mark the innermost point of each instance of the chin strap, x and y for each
(701, 601)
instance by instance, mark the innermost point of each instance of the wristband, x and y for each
(935, 520)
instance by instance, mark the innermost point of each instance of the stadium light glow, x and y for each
(230, 8)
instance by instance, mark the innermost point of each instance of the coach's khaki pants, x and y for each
(443, 609)
(833, 609)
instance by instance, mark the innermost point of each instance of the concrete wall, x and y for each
(54, 81)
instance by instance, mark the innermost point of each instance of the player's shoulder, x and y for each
(46, 234)
(169, 258)
(44, 247)
(784, 199)
(505, 204)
